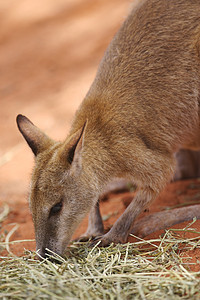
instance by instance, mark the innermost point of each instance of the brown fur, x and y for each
(142, 107)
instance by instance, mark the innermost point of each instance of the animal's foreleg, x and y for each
(123, 226)
(95, 224)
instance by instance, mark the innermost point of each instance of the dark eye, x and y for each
(56, 208)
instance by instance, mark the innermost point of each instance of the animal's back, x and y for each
(148, 81)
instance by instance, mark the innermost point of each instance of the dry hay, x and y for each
(153, 269)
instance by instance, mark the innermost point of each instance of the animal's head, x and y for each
(59, 194)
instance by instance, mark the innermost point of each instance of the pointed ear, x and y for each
(35, 138)
(72, 152)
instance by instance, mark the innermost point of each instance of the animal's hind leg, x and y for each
(188, 159)
(165, 219)
(188, 164)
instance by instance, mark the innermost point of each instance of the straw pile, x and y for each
(153, 269)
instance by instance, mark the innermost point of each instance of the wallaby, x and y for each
(142, 107)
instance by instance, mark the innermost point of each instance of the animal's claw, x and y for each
(102, 241)
(83, 238)
(87, 238)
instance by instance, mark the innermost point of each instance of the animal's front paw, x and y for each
(87, 237)
(106, 239)
(84, 238)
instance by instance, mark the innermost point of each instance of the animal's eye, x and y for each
(56, 208)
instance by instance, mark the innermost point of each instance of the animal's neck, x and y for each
(99, 153)
(98, 161)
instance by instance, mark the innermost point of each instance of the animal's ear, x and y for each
(35, 138)
(73, 148)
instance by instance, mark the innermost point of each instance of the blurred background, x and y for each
(49, 53)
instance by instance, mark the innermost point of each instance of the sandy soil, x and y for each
(49, 53)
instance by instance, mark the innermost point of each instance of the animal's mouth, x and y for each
(47, 254)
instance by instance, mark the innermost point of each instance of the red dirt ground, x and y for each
(49, 53)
